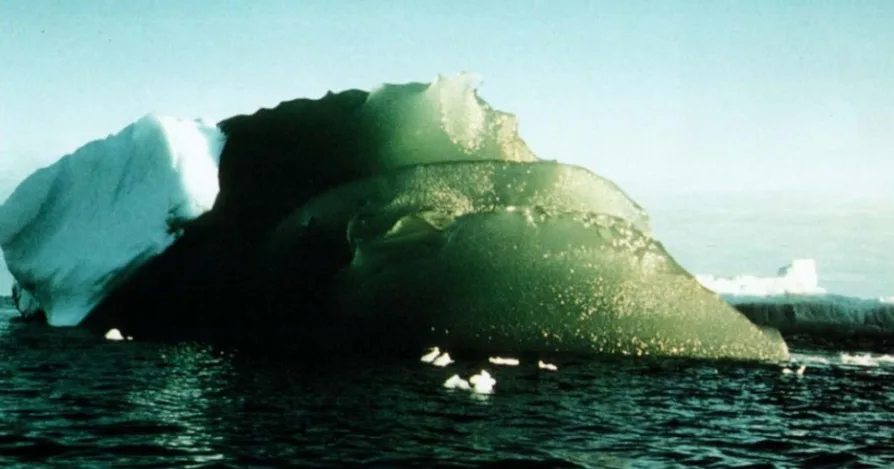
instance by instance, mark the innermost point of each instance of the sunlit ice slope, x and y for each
(74, 230)
(415, 215)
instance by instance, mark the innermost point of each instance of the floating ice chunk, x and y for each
(455, 382)
(503, 361)
(114, 334)
(798, 278)
(885, 359)
(431, 355)
(483, 383)
(442, 360)
(546, 366)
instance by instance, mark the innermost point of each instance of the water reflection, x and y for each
(73, 400)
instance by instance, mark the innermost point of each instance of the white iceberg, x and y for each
(798, 278)
(75, 229)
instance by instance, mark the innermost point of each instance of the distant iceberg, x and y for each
(797, 278)
(75, 229)
(795, 304)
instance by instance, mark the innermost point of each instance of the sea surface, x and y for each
(70, 400)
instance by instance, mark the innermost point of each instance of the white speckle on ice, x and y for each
(73, 229)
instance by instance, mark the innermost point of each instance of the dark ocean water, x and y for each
(68, 399)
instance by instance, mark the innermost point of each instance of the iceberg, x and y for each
(388, 221)
(74, 230)
(797, 278)
(795, 304)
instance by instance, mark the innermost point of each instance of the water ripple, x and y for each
(70, 400)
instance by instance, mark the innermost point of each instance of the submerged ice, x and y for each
(403, 217)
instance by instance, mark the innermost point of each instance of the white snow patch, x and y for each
(73, 230)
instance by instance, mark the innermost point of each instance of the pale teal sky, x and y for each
(663, 95)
